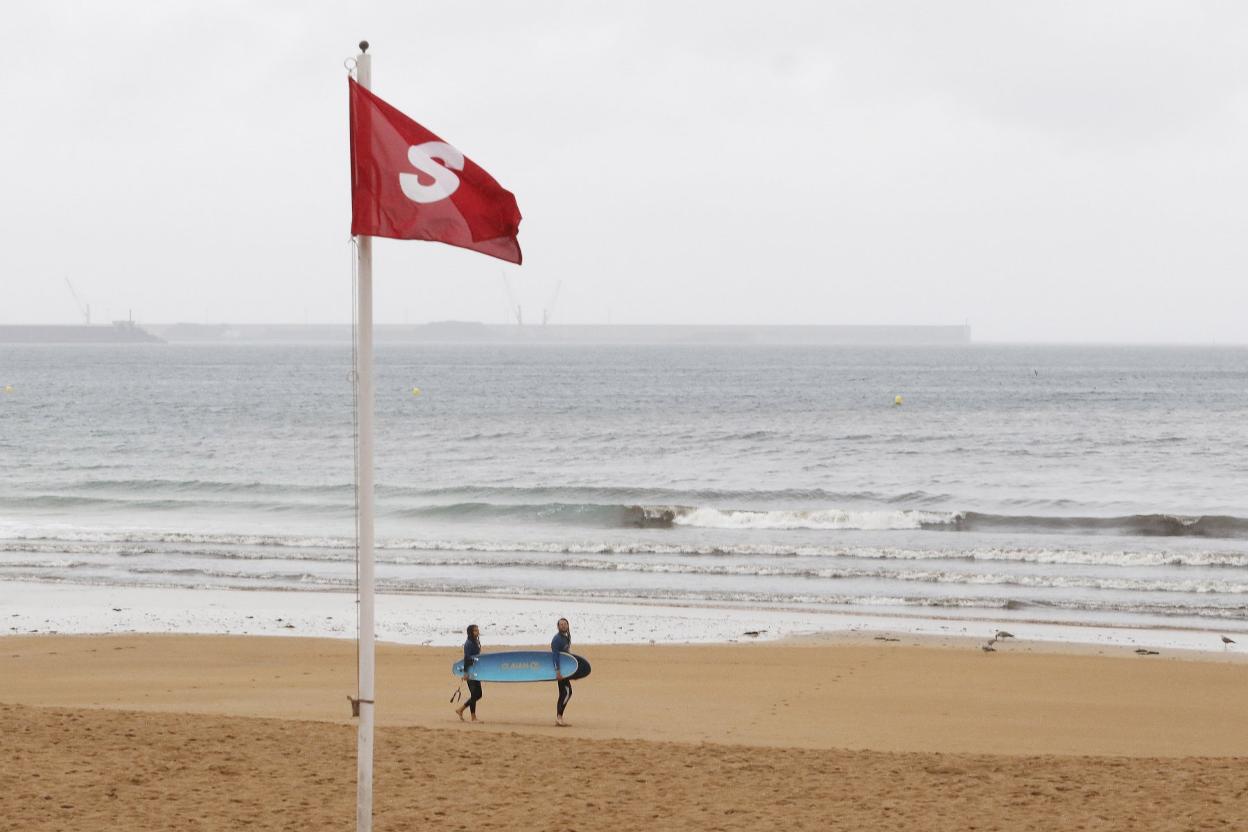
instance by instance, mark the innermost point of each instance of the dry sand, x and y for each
(216, 733)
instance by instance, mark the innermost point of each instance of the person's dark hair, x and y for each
(471, 627)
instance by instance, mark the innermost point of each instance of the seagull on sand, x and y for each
(1002, 634)
(988, 648)
(1227, 642)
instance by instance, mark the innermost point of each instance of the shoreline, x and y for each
(33, 608)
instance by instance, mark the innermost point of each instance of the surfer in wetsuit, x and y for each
(561, 643)
(472, 649)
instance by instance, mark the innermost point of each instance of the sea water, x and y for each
(1063, 484)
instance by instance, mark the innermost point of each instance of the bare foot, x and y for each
(474, 718)
(559, 723)
(460, 713)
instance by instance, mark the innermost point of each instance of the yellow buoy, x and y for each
(897, 401)
(415, 391)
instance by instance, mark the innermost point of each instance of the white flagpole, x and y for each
(364, 484)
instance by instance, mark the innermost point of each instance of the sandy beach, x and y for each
(861, 391)
(216, 732)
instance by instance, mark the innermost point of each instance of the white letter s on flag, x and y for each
(425, 158)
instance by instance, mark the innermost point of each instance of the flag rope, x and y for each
(354, 375)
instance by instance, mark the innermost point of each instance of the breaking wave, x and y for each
(819, 519)
(620, 507)
(1135, 525)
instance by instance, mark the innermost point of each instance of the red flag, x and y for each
(408, 184)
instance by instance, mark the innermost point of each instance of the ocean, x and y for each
(1076, 484)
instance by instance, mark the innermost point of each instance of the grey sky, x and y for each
(1047, 171)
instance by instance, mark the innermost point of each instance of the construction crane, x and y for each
(84, 308)
(513, 308)
(550, 307)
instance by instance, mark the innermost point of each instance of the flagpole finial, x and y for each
(363, 46)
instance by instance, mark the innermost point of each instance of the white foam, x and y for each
(440, 619)
(276, 547)
(713, 518)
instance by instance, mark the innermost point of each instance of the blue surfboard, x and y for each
(517, 666)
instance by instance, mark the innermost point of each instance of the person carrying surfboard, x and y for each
(472, 649)
(561, 643)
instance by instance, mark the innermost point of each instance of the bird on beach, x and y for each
(1227, 642)
(1001, 635)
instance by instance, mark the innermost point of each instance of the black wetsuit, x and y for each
(561, 644)
(471, 650)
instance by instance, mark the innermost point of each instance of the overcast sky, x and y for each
(1043, 171)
